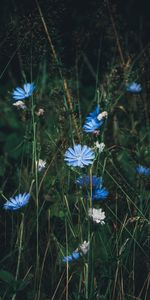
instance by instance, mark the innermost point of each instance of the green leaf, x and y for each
(21, 284)
(7, 277)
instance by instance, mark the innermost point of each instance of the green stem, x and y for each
(34, 169)
(19, 251)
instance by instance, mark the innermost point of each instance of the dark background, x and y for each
(77, 30)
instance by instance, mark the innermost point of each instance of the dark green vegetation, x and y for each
(78, 56)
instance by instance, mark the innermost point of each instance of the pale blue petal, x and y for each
(27, 87)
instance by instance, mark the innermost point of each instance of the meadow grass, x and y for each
(39, 242)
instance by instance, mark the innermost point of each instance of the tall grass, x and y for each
(35, 239)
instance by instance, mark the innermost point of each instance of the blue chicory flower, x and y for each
(134, 87)
(92, 125)
(88, 180)
(143, 170)
(100, 193)
(79, 156)
(74, 256)
(25, 92)
(94, 114)
(17, 202)
(94, 121)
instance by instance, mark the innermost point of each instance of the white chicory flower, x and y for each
(102, 115)
(97, 215)
(20, 104)
(84, 247)
(100, 146)
(41, 164)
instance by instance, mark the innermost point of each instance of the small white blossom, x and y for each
(104, 114)
(97, 215)
(20, 104)
(41, 164)
(84, 247)
(40, 112)
(100, 146)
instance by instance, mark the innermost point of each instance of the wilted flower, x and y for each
(79, 156)
(41, 164)
(100, 146)
(87, 180)
(40, 112)
(25, 92)
(96, 133)
(97, 215)
(84, 247)
(17, 202)
(20, 104)
(100, 193)
(134, 87)
(143, 170)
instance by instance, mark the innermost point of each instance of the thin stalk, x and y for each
(116, 34)
(19, 251)
(59, 282)
(36, 187)
(35, 170)
(42, 269)
(86, 281)
(65, 84)
(67, 267)
(87, 265)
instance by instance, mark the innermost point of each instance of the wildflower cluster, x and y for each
(91, 217)
(19, 95)
(83, 156)
(80, 156)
